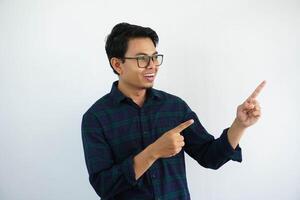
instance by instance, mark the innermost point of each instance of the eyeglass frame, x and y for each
(152, 57)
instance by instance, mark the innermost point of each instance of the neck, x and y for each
(138, 95)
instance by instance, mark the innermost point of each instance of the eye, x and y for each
(155, 57)
(143, 58)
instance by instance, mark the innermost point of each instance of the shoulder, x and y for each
(174, 107)
(100, 105)
(170, 98)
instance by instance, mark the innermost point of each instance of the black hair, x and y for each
(117, 41)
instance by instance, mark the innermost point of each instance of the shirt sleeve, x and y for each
(204, 148)
(107, 177)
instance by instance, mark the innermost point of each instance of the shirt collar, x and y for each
(118, 96)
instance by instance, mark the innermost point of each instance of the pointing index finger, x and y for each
(184, 125)
(257, 90)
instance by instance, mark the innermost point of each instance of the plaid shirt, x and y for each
(115, 129)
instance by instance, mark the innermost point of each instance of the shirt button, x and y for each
(153, 176)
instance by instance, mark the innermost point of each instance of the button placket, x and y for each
(153, 174)
(141, 113)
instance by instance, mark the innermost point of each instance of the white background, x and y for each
(53, 67)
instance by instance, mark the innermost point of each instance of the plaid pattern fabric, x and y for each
(114, 129)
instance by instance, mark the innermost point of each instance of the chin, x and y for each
(146, 86)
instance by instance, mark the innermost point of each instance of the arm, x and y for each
(248, 114)
(107, 177)
(235, 133)
(204, 148)
(213, 153)
(143, 161)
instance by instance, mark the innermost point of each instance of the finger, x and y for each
(251, 104)
(183, 125)
(181, 144)
(256, 113)
(257, 90)
(180, 138)
(247, 105)
(257, 106)
(178, 150)
(254, 104)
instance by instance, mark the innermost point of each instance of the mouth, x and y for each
(149, 77)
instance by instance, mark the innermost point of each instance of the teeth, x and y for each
(149, 75)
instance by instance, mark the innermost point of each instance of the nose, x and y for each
(151, 64)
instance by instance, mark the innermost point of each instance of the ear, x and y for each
(116, 64)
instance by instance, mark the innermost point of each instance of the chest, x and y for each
(130, 130)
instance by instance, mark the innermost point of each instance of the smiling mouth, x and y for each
(149, 77)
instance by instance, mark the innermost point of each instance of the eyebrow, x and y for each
(141, 53)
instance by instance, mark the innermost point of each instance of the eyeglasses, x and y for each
(143, 61)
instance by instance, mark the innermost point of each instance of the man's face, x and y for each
(132, 75)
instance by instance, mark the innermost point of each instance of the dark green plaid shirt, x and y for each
(115, 129)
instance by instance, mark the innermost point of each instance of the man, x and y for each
(134, 137)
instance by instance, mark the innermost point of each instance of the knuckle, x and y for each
(178, 150)
(174, 151)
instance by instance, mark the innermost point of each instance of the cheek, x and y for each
(132, 74)
(137, 73)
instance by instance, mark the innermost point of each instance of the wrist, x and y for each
(152, 152)
(235, 133)
(238, 125)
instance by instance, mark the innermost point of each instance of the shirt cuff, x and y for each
(128, 171)
(233, 154)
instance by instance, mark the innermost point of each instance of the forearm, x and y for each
(235, 133)
(143, 161)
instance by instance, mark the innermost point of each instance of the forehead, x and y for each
(140, 45)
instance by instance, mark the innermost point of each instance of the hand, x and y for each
(249, 112)
(171, 142)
